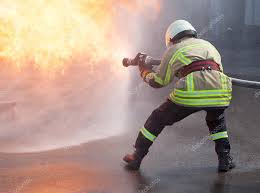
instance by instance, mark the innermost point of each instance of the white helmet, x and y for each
(178, 30)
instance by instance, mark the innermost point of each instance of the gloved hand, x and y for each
(144, 69)
(140, 59)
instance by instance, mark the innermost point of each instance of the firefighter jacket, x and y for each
(206, 88)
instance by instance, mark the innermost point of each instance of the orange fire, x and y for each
(49, 34)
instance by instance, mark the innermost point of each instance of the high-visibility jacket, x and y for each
(207, 88)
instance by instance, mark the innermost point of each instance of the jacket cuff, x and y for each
(144, 73)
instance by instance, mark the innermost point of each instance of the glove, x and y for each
(144, 69)
(140, 59)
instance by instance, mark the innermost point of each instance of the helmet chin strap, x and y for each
(177, 40)
(174, 41)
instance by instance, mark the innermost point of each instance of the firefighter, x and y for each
(194, 67)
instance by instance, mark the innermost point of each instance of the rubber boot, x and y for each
(225, 162)
(223, 151)
(134, 160)
(142, 146)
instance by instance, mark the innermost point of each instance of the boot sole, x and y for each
(131, 165)
(132, 168)
(223, 170)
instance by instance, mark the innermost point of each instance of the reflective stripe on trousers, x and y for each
(147, 134)
(220, 135)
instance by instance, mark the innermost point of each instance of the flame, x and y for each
(49, 34)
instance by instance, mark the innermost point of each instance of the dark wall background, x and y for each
(222, 22)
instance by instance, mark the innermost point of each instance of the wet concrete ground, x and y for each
(182, 159)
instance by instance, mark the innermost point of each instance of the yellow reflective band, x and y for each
(158, 80)
(226, 82)
(202, 91)
(184, 49)
(148, 135)
(202, 102)
(222, 82)
(167, 79)
(220, 135)
(218, 96)
(168, 75)
(190, 83)
(184, 59)
(202, 94)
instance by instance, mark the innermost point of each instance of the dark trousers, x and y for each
(169, 113)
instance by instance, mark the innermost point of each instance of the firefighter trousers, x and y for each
(169, 113)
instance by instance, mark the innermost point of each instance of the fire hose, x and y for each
(245, 83)
(149, 61)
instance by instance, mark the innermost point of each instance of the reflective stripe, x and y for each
(202, 102)
(148, 135)
(219, 135)
(168, 75)
(190, 83)
(184, 59)
(218, 96)
(167, 79)
(184, 49)
(224, 81)
(202, 93)
(158, 80)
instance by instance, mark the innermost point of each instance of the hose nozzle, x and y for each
(128, 62)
